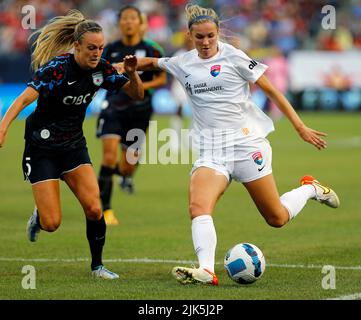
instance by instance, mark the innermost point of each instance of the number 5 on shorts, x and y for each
(28, 166)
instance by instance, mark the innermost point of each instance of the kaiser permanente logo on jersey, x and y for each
(201, 88)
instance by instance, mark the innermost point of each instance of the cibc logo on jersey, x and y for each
(77, 100)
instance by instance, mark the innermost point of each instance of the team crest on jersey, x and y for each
(98, 78)
(216, 70)
(140, 53)
(257, 158)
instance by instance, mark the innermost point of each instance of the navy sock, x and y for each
(117, 170)
(105, 181)
(95, 232)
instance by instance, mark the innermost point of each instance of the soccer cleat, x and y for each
(126, 184)
(110, 218)
(194, 275)
(323, 194)
(101, 272)
(33, 227)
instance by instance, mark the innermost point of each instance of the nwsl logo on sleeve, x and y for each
(257, 158)
(216, 70)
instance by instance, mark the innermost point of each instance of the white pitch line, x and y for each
(355, 296)
(148, 260)
(311, 266)
(354, 141)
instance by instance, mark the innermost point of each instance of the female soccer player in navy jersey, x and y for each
(231, 131)
(64, 85)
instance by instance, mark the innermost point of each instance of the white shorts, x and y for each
(243, 163)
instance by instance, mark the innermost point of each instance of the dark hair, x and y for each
(122, 9)
(86, 26)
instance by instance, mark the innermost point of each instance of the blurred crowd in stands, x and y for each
(267, 30)
(252, 25)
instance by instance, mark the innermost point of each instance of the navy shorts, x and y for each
(132, 121)
(41, 165)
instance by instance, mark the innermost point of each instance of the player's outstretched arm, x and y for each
(134, 88)
(148, 64)
(307, 134)
(143, 64)
(26, 97)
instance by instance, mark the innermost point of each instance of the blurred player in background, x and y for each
(143, 35)
(55, 146)
(231, 132)
(180, 96)
(277, 73)
(122, 114)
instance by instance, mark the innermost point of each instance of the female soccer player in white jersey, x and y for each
(232, 132)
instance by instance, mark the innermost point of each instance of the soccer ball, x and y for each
(244, 263)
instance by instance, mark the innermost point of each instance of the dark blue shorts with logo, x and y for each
(41, 164)
(121, 123)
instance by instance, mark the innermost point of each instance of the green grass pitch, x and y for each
(154, 230)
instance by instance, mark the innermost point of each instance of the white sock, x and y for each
(296, 199)
(204, 240)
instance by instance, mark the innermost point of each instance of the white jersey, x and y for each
(218, 89)
(176, 87)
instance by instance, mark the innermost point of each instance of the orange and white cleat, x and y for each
(194, 275)
(323, 194)
(110, 218)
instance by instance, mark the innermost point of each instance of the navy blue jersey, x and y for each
(65, 91)
(115, 52)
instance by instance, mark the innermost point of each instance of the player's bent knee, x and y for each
(110, 159)
(127, 171)
(93, 211)
(50, 225)
(196, 209)
(128, 168)
(276, 221)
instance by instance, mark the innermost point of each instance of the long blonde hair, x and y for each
(197, 14)
(58, 36)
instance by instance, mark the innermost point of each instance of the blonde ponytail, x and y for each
(57, 36)
(197, 14)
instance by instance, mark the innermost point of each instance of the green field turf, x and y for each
(155, 226)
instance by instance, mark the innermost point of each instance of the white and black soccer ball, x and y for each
(244, 263)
